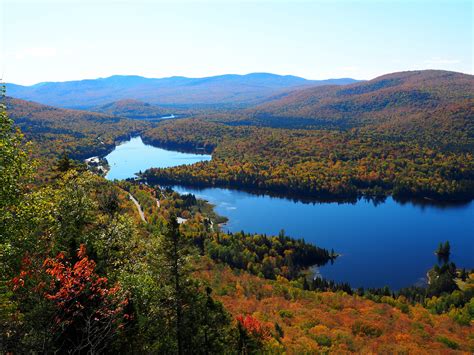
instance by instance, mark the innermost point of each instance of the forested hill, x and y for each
(223, 89)
(436, 102)
(130, 108)
(80, 133)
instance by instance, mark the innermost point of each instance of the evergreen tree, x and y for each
(196, 323)
(64, 163)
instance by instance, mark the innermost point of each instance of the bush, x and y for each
(323, 340)
(285, 313)
(364, 329)
(448, 342)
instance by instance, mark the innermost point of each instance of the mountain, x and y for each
(224, 89)
(81, 133)
(134, 109)
(399, 103)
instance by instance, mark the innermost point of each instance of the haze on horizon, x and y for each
(72, 40)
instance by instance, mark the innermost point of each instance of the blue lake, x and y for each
(385, 244)
(133, 156)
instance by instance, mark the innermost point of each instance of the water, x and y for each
(386, 244)
(133, 156)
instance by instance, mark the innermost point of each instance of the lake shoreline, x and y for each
(308, 198)
(350, 227)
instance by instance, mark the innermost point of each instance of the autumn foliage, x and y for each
(72, 287)
(86, 312)
(253, 327)
(301, 322)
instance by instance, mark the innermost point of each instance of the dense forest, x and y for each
(80, 133)
(134, 109)
(432, 106)
(54, 131)
(320, 163)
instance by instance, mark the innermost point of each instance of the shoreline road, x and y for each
(140, 212)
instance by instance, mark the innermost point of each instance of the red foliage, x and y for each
(79, 289)
(25, 271)
(253, 327)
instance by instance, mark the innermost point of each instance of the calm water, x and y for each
(389, 244)
(129, 158)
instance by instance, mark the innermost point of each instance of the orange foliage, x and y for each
(253, 327)
(315, 321)
(72, 287)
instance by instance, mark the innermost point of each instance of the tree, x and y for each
(64, 163)
(175, 254)
(15, 174)
(252, 334)
(444, 251)
(193, 321)
(89, 313)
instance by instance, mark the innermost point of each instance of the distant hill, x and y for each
(400, 103)
(134, 109)
(80, 133)
(223, 89)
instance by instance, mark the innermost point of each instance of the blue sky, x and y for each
(68, 40)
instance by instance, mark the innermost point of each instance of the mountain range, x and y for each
(227, 89)
(437, 102)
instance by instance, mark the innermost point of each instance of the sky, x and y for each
(73, 40)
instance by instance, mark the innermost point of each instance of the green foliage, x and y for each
(444, 250)
(323, 340)
(448, 342)
(285, 313)
(442, 279)
(365, 329)
(405, 134)
(15, 174)
(134, 109)
(265, 256)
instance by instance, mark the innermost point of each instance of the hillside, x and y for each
(223, 89)
(134, 109)
(328, 322)
(81, 133)
(440, 103)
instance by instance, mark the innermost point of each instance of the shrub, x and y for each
(323, 340)
(448, 342)
(364, 329)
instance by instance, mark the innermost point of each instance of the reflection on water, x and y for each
(134, 156)
(383, 243)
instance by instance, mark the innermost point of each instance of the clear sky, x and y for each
(69, 40)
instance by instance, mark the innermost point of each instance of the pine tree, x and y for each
(195, 320)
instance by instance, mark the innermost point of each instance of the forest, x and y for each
(81, 134)
(319, 163)
(82, 273)
(408, 134)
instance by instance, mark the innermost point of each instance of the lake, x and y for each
(385, 244)
(133, 156)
